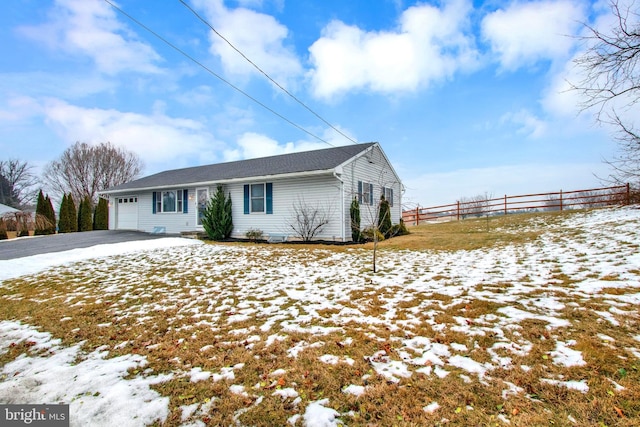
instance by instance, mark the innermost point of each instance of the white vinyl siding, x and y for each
(328, 192)
(322, 192)
(174, 223)
(372, 168)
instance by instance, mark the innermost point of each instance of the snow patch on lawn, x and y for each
(94, 387)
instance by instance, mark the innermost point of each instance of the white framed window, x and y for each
(388, 195)
(169, 201)
(257, 198)
(365, 193)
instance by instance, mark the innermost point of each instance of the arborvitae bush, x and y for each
(51, 215)
(72, 211)
(384, 217)
(80, 207)
(216, 219)
(45, 216)
(41, 226)
(63, 222)
(101, 215)
(85, 220)
(354, 213)
(3, 230)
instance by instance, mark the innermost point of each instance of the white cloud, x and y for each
(48, 83)
(336, 139)
(258, 4)
(252, 145)
(258, 36)
(558, 98)
(91, 28)
(526, 122)
(525, 33)
(18, 108)
(429, 45)
(156, 139)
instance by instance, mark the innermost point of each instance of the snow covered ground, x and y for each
(284, 291)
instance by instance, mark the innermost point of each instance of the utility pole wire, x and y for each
(213, 73)
(204, 21)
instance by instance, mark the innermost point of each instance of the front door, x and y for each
(202, 198)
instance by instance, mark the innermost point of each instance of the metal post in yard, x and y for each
(560, 200)
(505, 204)
(458, 210)
(417, 215)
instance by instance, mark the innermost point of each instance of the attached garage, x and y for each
(127, 213)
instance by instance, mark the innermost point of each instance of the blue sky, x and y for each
(465, 97)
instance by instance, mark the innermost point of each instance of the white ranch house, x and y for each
(264, 192)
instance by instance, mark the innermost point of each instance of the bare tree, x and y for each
(308, 221)
(83, 170)
(375, 213)
(17, 186)
(625, 165)
(553, 203)
(592, 199)
(600, 198)
(611, 84)
(475, 206)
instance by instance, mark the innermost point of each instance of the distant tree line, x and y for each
(75, 179)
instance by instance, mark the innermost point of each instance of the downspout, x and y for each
(335, 175)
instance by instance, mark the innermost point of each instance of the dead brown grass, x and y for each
(168, 323)
(473, 233)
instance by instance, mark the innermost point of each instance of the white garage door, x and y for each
(127, 213)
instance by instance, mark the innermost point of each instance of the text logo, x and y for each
(34, 415)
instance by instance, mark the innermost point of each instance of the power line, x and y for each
(204, 21)
(213, 73)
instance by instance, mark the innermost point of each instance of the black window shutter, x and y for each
(153, 200)
(185, 201)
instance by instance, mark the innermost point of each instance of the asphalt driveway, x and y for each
(18, 248)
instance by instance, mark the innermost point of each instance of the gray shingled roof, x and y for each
(305, 161)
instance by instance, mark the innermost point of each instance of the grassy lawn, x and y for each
(520, 320)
